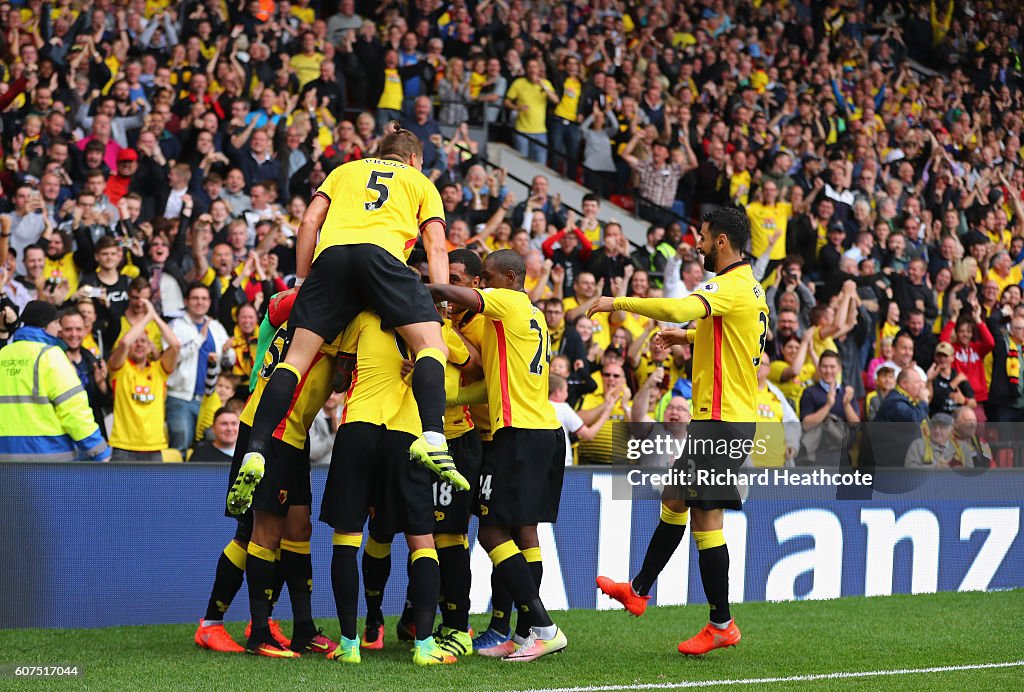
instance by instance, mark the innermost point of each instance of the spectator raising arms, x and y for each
(139, 381)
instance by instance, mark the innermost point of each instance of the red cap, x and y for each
(127, 155)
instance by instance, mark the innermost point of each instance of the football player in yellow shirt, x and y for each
(732, 326)
(521, 479)
(452, 510)
(472, 326)
(353, 242)
(280, 550)
(370, 474)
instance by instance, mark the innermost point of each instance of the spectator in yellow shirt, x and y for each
(140, 391)
(528, 97)
(767, 216)
(739, 179)
(307, 62)
(60, 266)
(1003, 271)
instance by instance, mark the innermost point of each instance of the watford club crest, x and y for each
(282, 496)
(143, 394)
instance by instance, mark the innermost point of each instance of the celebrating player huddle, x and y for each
(446, 415)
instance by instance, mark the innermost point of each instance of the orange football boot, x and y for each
(378, 642)
(216, 638)
(622, 591)
(709, 639)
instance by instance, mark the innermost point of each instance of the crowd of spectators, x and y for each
(158, 156)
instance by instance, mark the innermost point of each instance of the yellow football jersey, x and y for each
(472, 326)
(523, 92)
(602, 327)
(516, 350)
(610, 442)
(140, 395)
(310, 395)
(378, 394)
(152, 331)
(378, 202)
(764, 222)
(62, 268)
(392, 94)
(457, 420)
(793, 388)
(634, 324)
(732, 326)
(769, 430)
(568, 106)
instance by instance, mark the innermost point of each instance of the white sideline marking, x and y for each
(793, 678)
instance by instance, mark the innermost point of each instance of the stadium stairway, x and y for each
(518, 166)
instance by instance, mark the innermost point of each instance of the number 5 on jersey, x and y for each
(375, 183)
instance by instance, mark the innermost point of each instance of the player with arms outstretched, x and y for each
(521, 477)
(367, 215)
(732, 324)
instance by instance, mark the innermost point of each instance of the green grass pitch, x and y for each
(607, 648)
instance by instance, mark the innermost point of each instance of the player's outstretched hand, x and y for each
(603, 304)
(672, 337)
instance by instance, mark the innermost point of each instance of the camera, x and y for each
(52, 283)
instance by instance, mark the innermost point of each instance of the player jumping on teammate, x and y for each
(367, 215)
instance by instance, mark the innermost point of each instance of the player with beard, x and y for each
(726, 356)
